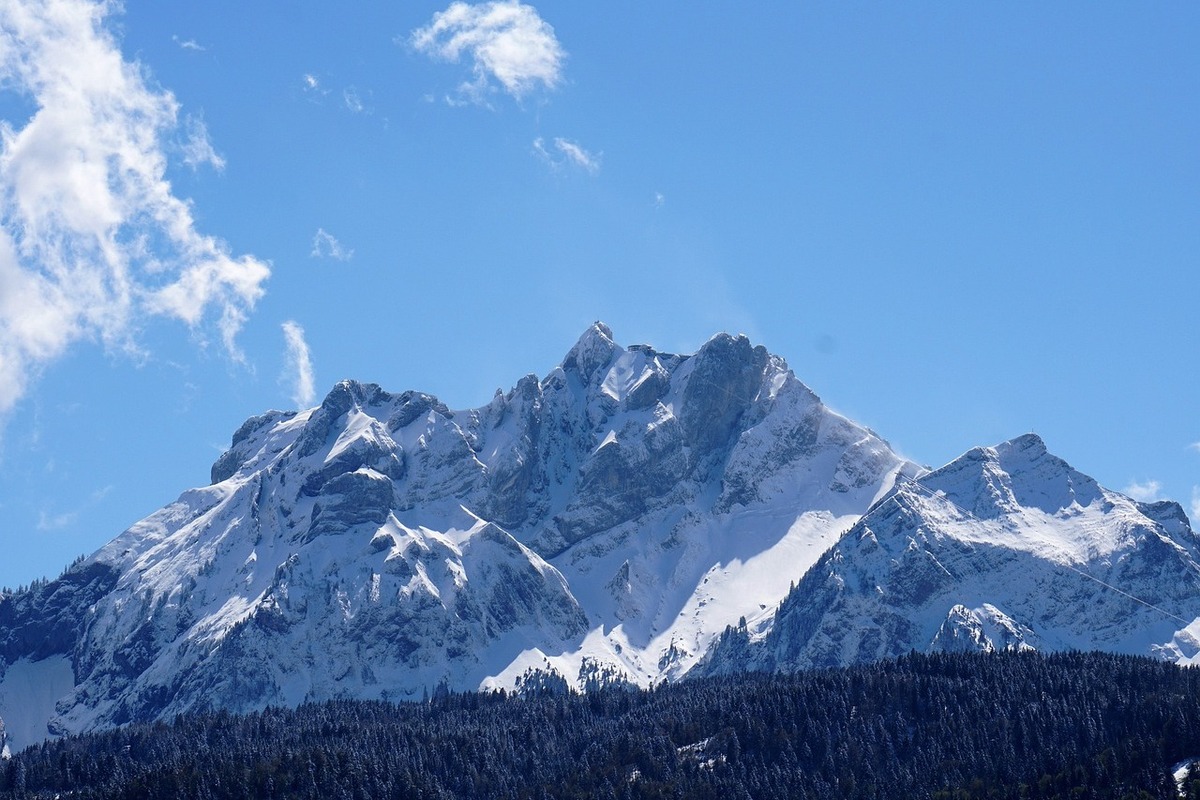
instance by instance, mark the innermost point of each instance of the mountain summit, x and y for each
(610, 522)
(1006, 547)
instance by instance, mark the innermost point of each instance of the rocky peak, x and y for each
(1020, 473)
(726, 377)
(1170, 515)
(242, 447)
(1006, 547)
(342, 398)
(594, 350)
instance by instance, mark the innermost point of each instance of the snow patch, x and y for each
(1180, 772)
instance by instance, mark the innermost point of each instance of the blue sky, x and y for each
(958, 222)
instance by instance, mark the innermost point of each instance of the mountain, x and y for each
(603, 524)
(1006, 547)
(630, 518)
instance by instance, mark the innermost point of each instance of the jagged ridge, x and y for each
(608, 519)
(607, 523)
(1004, 548)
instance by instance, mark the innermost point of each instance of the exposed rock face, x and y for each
(983, 630)
(725, 380)
(48, 619)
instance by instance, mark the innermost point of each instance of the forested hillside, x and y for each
(942, 726)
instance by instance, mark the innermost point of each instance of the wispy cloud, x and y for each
(325, 245)
(505, 42)
(567, 152)
(578, 156)
(92, 239)
(352, 100)
(51, 521)
(314, 90)
(55, 522)
(1146, 492)
(1194, 446)
(1195, 505)
(197, 147)
(659, 200)
(299, 368)
(189, 44)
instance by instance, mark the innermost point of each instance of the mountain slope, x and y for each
(606, 522)
(1004, 548)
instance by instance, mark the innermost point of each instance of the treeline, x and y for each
(949, 727)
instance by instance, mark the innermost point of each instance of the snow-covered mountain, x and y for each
(633, 516)
(605, 522)
(1005, 547)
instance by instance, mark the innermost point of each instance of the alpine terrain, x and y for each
(632, 517)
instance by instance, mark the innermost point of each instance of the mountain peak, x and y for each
(1028, 443)
(597, 335)
(595, 349)
(1006, 547)
(1020, 472)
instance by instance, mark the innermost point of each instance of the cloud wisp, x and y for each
(51, 521)
(188, 44)
(92, 239)
(506, 43)
(299, 369)
(197, 147)
(1144, 492)
(577, 155)
(326, 245)
(568, 152)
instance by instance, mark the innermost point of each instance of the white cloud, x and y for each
(1194, 446)
(92, 239)
(567, 152)
(299, 369)
(659, 200)
(189, 44)
(505, 42)
(578, 156)
(352, 100)
(324, 245)
(55, 522)
(49, 521)
(313, 89)
(1146, 492)
(1195, 505)
(197, 148)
